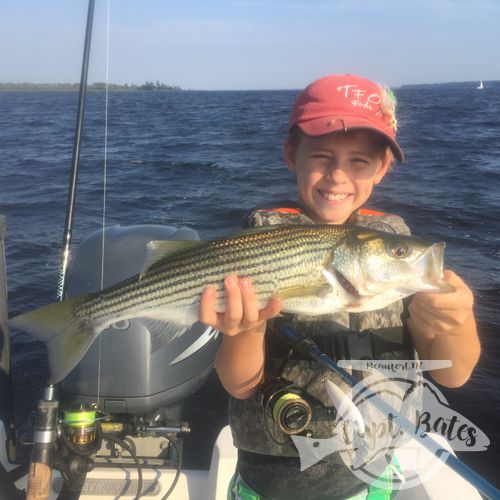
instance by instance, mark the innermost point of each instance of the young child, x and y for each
(341, 143)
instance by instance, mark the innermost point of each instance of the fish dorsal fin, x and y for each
(158, 250)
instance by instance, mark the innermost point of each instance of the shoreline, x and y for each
(75, 87)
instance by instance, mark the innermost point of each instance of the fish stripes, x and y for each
(180, 278)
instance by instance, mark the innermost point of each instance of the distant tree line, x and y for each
(149, 86)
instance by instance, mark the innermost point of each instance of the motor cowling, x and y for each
(130, 371)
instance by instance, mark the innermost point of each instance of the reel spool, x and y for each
(79, 426)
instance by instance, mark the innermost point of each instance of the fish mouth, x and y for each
(430, 268)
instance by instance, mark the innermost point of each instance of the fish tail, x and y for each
(67, 337)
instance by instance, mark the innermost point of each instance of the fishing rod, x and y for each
(6, 415)
(306, 346)
(8, 487)
(43, 453)
(68, 228)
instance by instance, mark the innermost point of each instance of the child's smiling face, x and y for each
(336, 172)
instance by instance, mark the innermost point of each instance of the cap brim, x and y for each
(329, 124)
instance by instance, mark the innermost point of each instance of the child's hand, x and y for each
(443, 327)
(242, 308)
(442, 313)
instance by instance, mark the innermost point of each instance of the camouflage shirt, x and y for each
(257, 434)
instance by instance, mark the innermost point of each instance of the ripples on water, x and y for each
(202, 159)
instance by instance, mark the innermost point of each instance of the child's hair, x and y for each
(294, 136)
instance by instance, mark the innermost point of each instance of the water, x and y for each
(203, 159)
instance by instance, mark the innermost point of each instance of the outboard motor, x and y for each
(130, 368)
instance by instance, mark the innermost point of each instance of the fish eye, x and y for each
(399, 250)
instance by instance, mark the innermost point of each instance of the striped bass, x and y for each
(316, 270)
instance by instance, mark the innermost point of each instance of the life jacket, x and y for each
(378, 335)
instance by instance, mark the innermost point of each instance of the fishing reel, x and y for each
(80, 437)
(287, 405)
(80, 429)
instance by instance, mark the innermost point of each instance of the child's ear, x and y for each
(289, 154)
(384, 168)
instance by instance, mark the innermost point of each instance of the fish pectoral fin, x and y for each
(162, 332)
(158, 250)
(305, 291)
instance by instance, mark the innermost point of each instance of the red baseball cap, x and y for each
(345, 102)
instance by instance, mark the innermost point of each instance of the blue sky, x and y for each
(252, 44)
